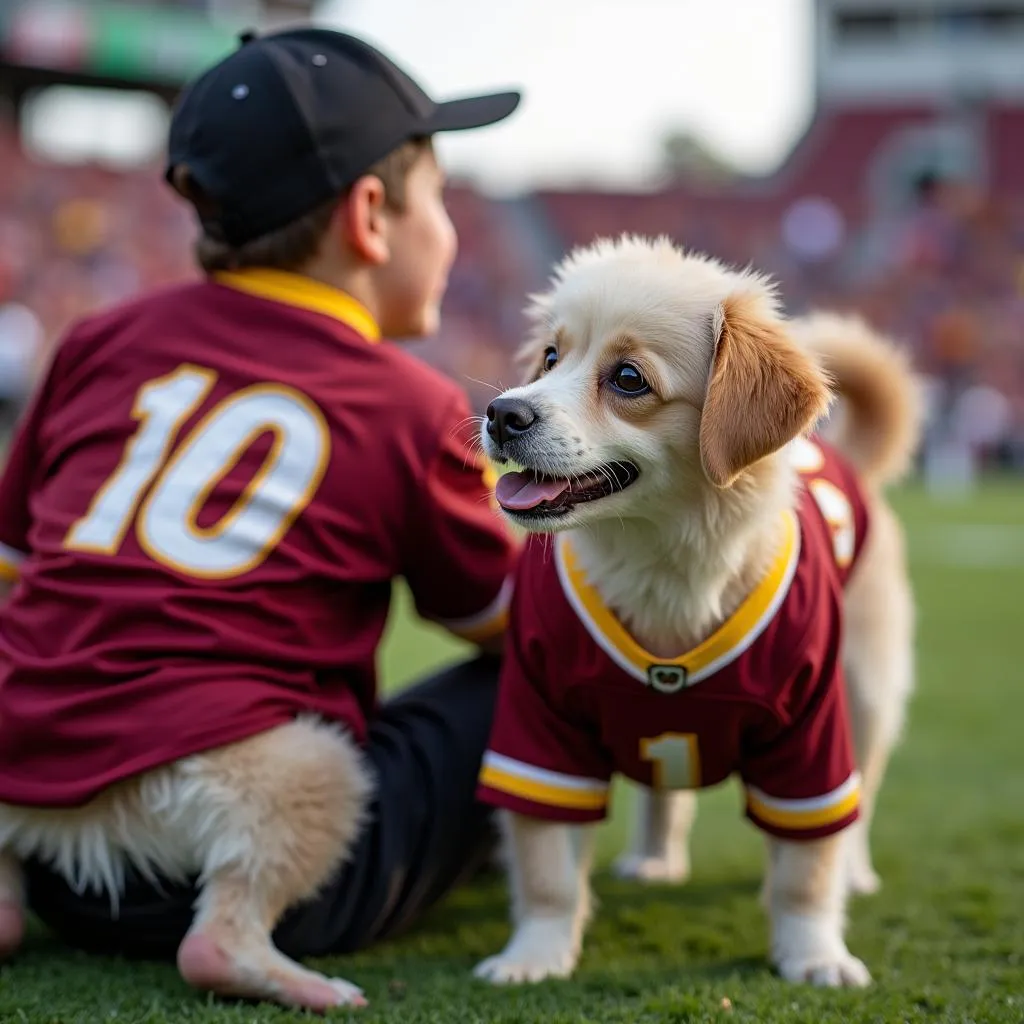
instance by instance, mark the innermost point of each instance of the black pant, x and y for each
(426, 833)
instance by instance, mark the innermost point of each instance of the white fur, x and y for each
(177, 821)
(549, 870)
(261, 823)
(660, 847)
(806, 899)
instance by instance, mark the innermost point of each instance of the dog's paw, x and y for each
(513, 970)
(256, 970)
(840, 970)
(635, 866)
(809, 949)
(348, 994)
(862, 880)
(537, 950)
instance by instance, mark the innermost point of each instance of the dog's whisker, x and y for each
(496, 388)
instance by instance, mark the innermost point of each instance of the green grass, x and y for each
(944, 939)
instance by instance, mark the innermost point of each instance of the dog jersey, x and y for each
(763, 696)
(204, 510)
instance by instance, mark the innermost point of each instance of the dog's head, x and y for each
(653, 376)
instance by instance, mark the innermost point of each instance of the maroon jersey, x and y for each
(205, 508)
(763, 696)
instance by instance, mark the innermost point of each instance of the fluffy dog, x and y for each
(664, 436)
(263, 823)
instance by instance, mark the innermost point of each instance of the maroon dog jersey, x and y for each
(763, 696)
(205, 508)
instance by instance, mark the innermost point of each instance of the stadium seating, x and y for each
(947, 276)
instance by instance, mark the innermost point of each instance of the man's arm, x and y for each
(461, 555)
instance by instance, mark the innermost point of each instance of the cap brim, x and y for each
(473, 112)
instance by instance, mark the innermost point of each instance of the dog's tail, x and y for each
(879, 426)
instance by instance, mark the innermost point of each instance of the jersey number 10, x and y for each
(180, 478)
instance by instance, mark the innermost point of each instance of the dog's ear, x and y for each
(762, 391)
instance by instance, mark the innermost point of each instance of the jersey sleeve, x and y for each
(460, 563)
(16, 486)
(801, 781)
(543, 759)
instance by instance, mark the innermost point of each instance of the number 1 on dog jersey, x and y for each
(676, 760)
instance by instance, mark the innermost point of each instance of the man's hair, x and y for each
(292, 246)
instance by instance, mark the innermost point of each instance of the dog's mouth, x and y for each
(533, 495)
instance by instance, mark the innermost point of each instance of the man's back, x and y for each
(212, 494)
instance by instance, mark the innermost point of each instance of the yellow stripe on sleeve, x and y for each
(485, 625)
(493, 627)
(816, 812)
(534, 784)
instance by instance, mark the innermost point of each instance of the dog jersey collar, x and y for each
(303, 292)
(726, 644)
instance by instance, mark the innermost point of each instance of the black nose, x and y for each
(508, 418)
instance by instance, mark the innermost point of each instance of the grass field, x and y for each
(944, 939)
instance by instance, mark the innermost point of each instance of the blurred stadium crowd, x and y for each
(945, 273)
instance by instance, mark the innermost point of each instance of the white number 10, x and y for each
(167, 522)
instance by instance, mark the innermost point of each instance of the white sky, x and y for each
(602, 79)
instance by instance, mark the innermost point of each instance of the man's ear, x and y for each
(763, 390)
(361, 216)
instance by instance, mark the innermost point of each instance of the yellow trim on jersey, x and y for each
(487, 631)
(9, 573)
(542, 786)
(303, 292)
(815, 812)
(490, 474)
(732, 637)
(487, 624)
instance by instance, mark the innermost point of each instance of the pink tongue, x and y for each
(521, 491)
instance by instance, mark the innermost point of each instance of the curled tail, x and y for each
(879, 428)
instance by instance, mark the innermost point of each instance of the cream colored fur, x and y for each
(263, 823)
(675, 553)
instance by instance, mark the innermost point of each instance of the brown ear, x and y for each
(762, 392)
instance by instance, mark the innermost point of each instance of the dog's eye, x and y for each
(629, 380)
(550, 358)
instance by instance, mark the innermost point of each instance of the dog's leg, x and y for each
(549, 878)
(12, 905)
(274, 816)
(807, 895)
(660, 844)
(878, 660)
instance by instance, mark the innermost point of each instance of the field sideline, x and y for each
(944, 938)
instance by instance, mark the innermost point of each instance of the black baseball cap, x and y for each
(292, 119)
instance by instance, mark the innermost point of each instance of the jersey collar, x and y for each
(303, 292)
(726, 644)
